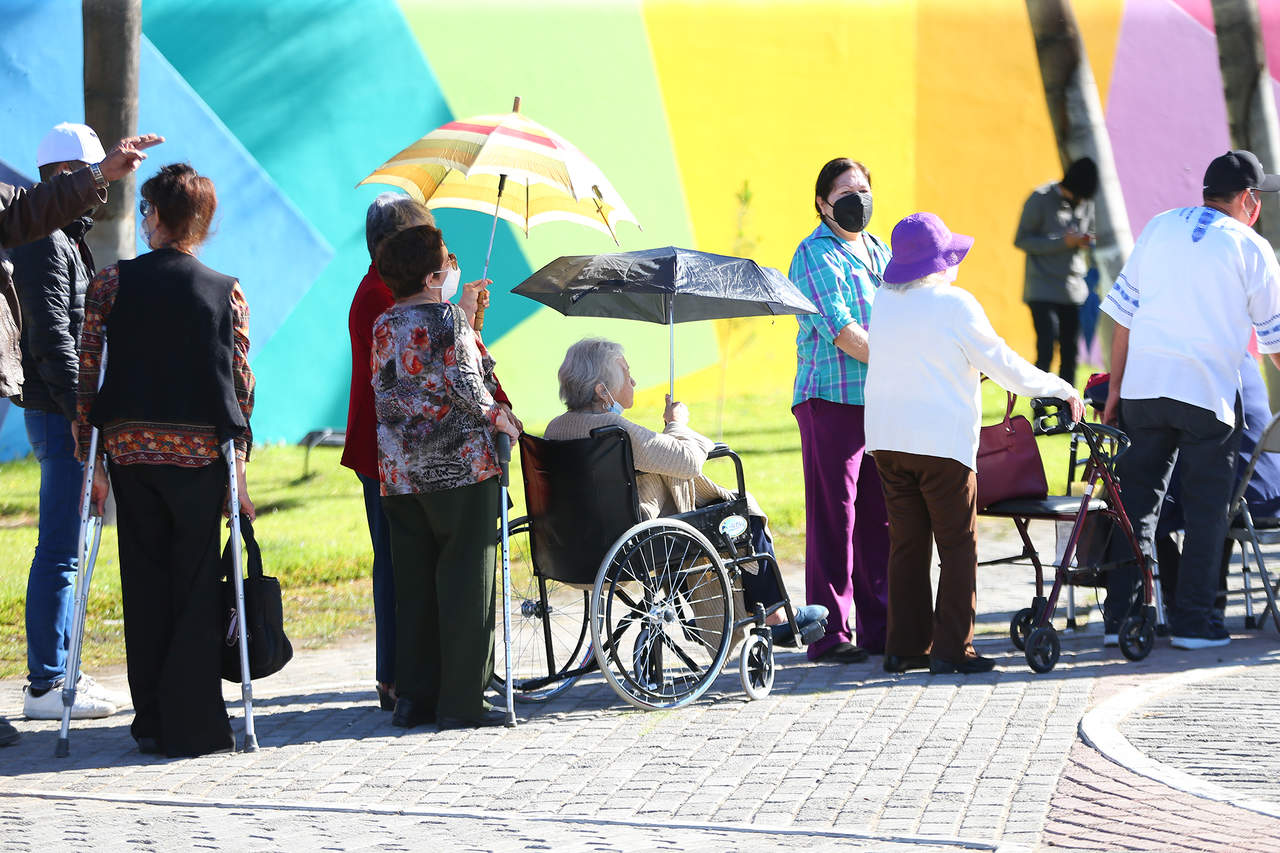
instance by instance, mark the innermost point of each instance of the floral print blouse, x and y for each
(433, 399)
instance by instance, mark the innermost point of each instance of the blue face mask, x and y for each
(614, 406)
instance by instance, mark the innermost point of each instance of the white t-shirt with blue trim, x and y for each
(1197, 282)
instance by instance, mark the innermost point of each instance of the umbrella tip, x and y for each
(515, 105)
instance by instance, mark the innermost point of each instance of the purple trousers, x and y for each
(845, 563)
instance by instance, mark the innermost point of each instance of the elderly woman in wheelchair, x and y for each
(671, 556)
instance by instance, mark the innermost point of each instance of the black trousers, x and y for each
(169, 531)
(1060, 324)
(1162, 431)
(442, 553)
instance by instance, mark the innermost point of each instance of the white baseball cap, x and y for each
(67, 142)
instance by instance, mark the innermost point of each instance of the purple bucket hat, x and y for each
(922, 244)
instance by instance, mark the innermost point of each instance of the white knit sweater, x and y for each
(929, 346)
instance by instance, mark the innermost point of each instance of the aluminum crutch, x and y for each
(246, 680)
(84, 575)
(504, 461)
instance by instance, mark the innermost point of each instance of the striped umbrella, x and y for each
(467, 164)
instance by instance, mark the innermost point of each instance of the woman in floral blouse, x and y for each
(437, 423)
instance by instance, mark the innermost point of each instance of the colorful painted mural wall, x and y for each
(710, 118)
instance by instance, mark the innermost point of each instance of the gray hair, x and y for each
(587, 363)
(390, 213)
(931, 278)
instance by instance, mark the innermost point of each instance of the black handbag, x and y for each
(269, 648)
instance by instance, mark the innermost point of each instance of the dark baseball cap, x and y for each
(1238, 170)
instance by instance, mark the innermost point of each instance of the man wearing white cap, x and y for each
(51, 276)
(27, 215)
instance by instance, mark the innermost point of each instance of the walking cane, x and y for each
(504, 461)
(90, 536)
(246, 681)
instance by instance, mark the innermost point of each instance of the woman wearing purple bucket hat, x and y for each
(930, 343)
(838, 266)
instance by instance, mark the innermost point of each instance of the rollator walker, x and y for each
(1101, 539)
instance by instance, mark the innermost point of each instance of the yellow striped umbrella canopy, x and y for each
(461, 163)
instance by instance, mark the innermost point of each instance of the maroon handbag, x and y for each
(1009, 463)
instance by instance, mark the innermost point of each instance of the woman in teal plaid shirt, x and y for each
(839, 267)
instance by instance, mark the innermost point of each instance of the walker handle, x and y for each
(1051, 416)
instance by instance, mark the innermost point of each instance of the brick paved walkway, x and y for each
(838, 758)
(1224, 730)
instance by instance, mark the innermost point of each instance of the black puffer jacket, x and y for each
(52, 276)
(29, 215)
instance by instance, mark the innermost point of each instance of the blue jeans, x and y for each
(384, 583)
(50, 586)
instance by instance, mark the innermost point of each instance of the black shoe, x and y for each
(409, 713)
(966, 666)
(149, 746)
(386, 696)
(902, 663)
(488, 717)
(842, 653)
(8, 734)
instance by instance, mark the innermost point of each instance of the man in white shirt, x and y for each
(1198, 280)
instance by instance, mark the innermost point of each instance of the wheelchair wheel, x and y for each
(1137, 637)
(755, 666)
(1043, 648)
(1020, 628)
(661, 614)
(549, 635)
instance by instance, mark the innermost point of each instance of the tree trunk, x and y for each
(1251, 116)
(1081, 131)
(112, 32)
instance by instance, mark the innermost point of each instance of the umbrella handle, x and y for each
(502, 185)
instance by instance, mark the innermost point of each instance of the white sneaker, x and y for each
(1198, 642)
(48, 706)
(89, 686)
(1110, 641)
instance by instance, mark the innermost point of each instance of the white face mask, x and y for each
(146, 233)
(614, 406)
(450, 287)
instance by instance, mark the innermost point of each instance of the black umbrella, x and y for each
(667, 285)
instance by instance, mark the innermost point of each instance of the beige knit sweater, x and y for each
(668, 463)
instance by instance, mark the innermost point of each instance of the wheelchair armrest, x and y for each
(722, 450)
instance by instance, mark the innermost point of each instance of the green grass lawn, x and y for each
(314, 538)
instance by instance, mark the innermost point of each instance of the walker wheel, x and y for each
(1043, 648)
(1137, 637)
(1020, 627)
(755, 666)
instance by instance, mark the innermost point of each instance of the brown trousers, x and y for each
(930, 498)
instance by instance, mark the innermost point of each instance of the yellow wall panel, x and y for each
(983, 143)
(765, 93)
(1099, 22)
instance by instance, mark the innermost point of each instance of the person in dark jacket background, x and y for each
(51, 276)
(27, 215)
(1056, 230)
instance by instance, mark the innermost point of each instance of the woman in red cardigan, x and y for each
(389, 214)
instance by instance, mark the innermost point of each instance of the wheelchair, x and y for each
(650, 603)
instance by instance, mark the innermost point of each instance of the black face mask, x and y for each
(853, 212)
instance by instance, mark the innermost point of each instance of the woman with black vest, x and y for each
(177, 385)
